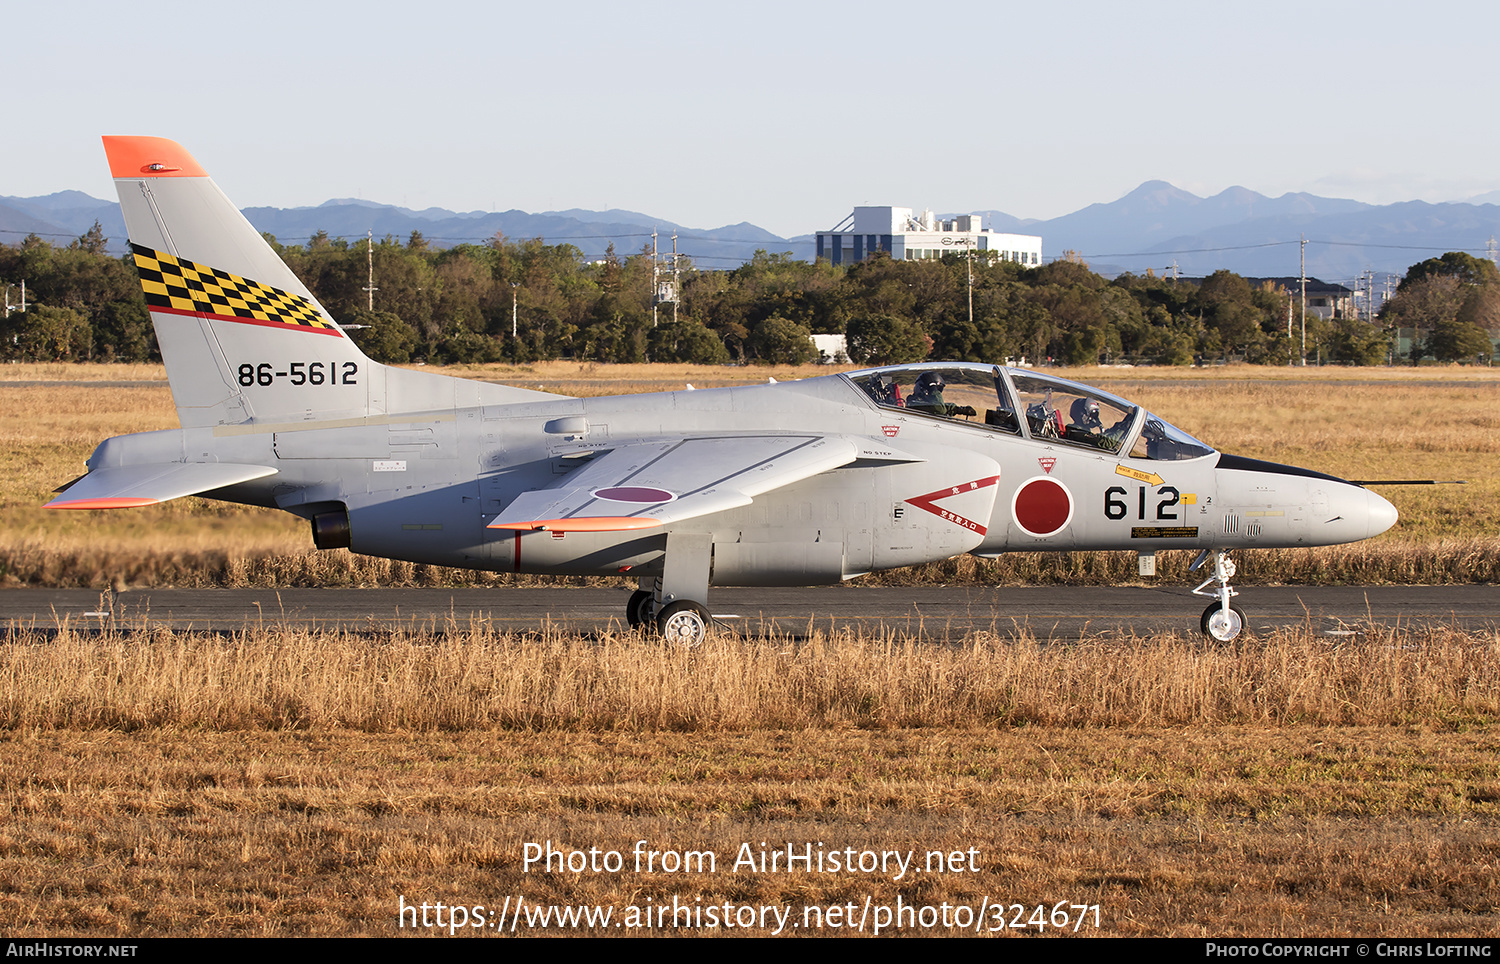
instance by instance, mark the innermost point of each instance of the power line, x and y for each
(1274, 244)
(704, 239)
(1156, 254)
(40, 234)
(1397, 247)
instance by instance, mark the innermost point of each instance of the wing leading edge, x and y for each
(651, 484)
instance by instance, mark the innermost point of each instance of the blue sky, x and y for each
(783, 114)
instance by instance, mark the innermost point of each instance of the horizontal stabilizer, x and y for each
(128, 486)
(657, 483)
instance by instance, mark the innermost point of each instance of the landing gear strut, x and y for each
(1221, 621)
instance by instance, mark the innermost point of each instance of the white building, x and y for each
(832, 349)
(908, 237)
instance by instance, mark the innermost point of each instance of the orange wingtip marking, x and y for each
(149, 157)
(123, 503)
(595, 524)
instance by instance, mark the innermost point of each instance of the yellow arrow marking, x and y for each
(1151, 478)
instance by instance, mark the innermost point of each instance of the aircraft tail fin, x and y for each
(242, 338)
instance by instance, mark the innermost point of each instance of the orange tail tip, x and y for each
(149, 157)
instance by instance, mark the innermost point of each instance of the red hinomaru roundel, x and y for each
(1042, 506)
(644, 494)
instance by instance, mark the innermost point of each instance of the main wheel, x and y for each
(638, 609)
(684, 623)
(1221, 624)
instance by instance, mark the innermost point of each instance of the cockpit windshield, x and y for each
(1069, 412)
(1028, 404)
(971, 393)
(1166, 442)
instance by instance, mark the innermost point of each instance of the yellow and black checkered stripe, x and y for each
(184, 287)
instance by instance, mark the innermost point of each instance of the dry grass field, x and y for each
(293, 783)
(289, 782)
(472, 677)
(1225, 831)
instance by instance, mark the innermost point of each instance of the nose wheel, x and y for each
(1220, 623)
(1221, 620)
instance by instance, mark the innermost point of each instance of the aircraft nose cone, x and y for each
(1383, 515)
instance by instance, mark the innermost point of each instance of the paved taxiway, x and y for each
(1049, 612)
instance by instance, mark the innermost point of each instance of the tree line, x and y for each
(461, 304)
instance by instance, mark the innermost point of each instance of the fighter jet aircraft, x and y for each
(797, 483)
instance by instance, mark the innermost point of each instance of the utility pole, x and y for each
(10, 307)
(1289, 330)
(370, 263)
(971, 287)
(1304, 299)
(664, 290)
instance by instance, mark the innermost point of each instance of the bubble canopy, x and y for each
(1027, 404)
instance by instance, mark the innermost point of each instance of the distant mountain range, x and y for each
(63, 216)
(1150, 228)
(1255, 235)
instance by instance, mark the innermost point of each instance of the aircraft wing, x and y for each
(650, 484)
(127, 486)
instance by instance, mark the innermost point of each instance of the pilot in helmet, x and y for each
(1085, 415)
(929, 389)
(927, 396)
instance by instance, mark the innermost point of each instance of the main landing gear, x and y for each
(667, 604)
(1221, 621)
(684, 623)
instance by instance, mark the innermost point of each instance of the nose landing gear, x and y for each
(1221, 621)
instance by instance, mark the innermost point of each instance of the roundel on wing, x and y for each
(1042, 506)
(641, 494)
